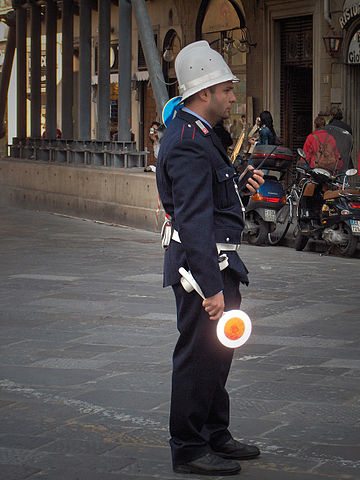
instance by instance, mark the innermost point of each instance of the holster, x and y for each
(166, 233)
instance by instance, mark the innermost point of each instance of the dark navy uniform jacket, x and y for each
(195, 180)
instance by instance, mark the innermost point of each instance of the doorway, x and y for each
(296, 81)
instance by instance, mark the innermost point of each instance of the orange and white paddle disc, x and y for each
(234, 328)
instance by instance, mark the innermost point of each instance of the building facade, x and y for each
(296, 58)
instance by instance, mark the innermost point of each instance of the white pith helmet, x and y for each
(199, 66)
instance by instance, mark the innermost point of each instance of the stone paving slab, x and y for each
(318, 414)
(14, 472)
(86, 339)
(291, 392)
(27, 442)
(47, 376)
(336, 436)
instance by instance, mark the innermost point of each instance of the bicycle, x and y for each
(285, 215)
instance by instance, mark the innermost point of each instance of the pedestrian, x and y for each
(267, 135)
(337, 119)
(155, 142)
(253, 137)
(223, 134)
(243, 122)
(235, 130)
(58, 133)
(318, 143)
(196, 185)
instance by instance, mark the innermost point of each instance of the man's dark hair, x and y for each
(319, 122)
(336, 112)
(267, 120)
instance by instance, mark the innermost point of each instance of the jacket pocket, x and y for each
(224, 190)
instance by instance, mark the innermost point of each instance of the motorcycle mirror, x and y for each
(301, 153)
(351, 172)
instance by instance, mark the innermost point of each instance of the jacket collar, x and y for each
(188, 117)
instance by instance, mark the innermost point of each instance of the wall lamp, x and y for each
(333, 42)
(168, 53)
(242, 44)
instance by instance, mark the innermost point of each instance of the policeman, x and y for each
(196, 185)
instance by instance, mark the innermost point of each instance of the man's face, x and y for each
(221, 98)
(153, 132)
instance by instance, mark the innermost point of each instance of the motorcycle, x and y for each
(262, 207)
(328, 210)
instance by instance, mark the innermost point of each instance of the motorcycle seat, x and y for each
(331, 194)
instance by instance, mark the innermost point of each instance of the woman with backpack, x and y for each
(320, 147)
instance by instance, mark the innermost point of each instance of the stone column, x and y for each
(103, 94)
(7, 67)
(21, 114)
(67, 94)
(51, 21)
(35, 76)
(124, 80)
(85, 71)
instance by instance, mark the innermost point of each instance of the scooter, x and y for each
(262, 207)
(328, 210)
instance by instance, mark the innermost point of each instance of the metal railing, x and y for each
(118, 154)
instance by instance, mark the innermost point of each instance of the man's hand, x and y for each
(214, 306)
(255, 181)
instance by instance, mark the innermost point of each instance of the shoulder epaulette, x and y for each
(188, 131)
(202, 127)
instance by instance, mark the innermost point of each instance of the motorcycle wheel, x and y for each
(300, 241)
(260, 237)
(349, 247)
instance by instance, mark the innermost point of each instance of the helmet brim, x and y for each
(209, 83)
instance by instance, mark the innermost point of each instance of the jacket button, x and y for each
(228, 239)
(226, 175)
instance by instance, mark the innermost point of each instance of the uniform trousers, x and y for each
(199, 412)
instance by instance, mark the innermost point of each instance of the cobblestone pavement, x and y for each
(85, 357)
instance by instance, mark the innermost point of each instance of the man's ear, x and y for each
(204, 94)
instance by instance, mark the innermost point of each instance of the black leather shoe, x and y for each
(209, 464)
(235, 450)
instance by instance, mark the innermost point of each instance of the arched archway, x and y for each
(222, 23)
(203, 9)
